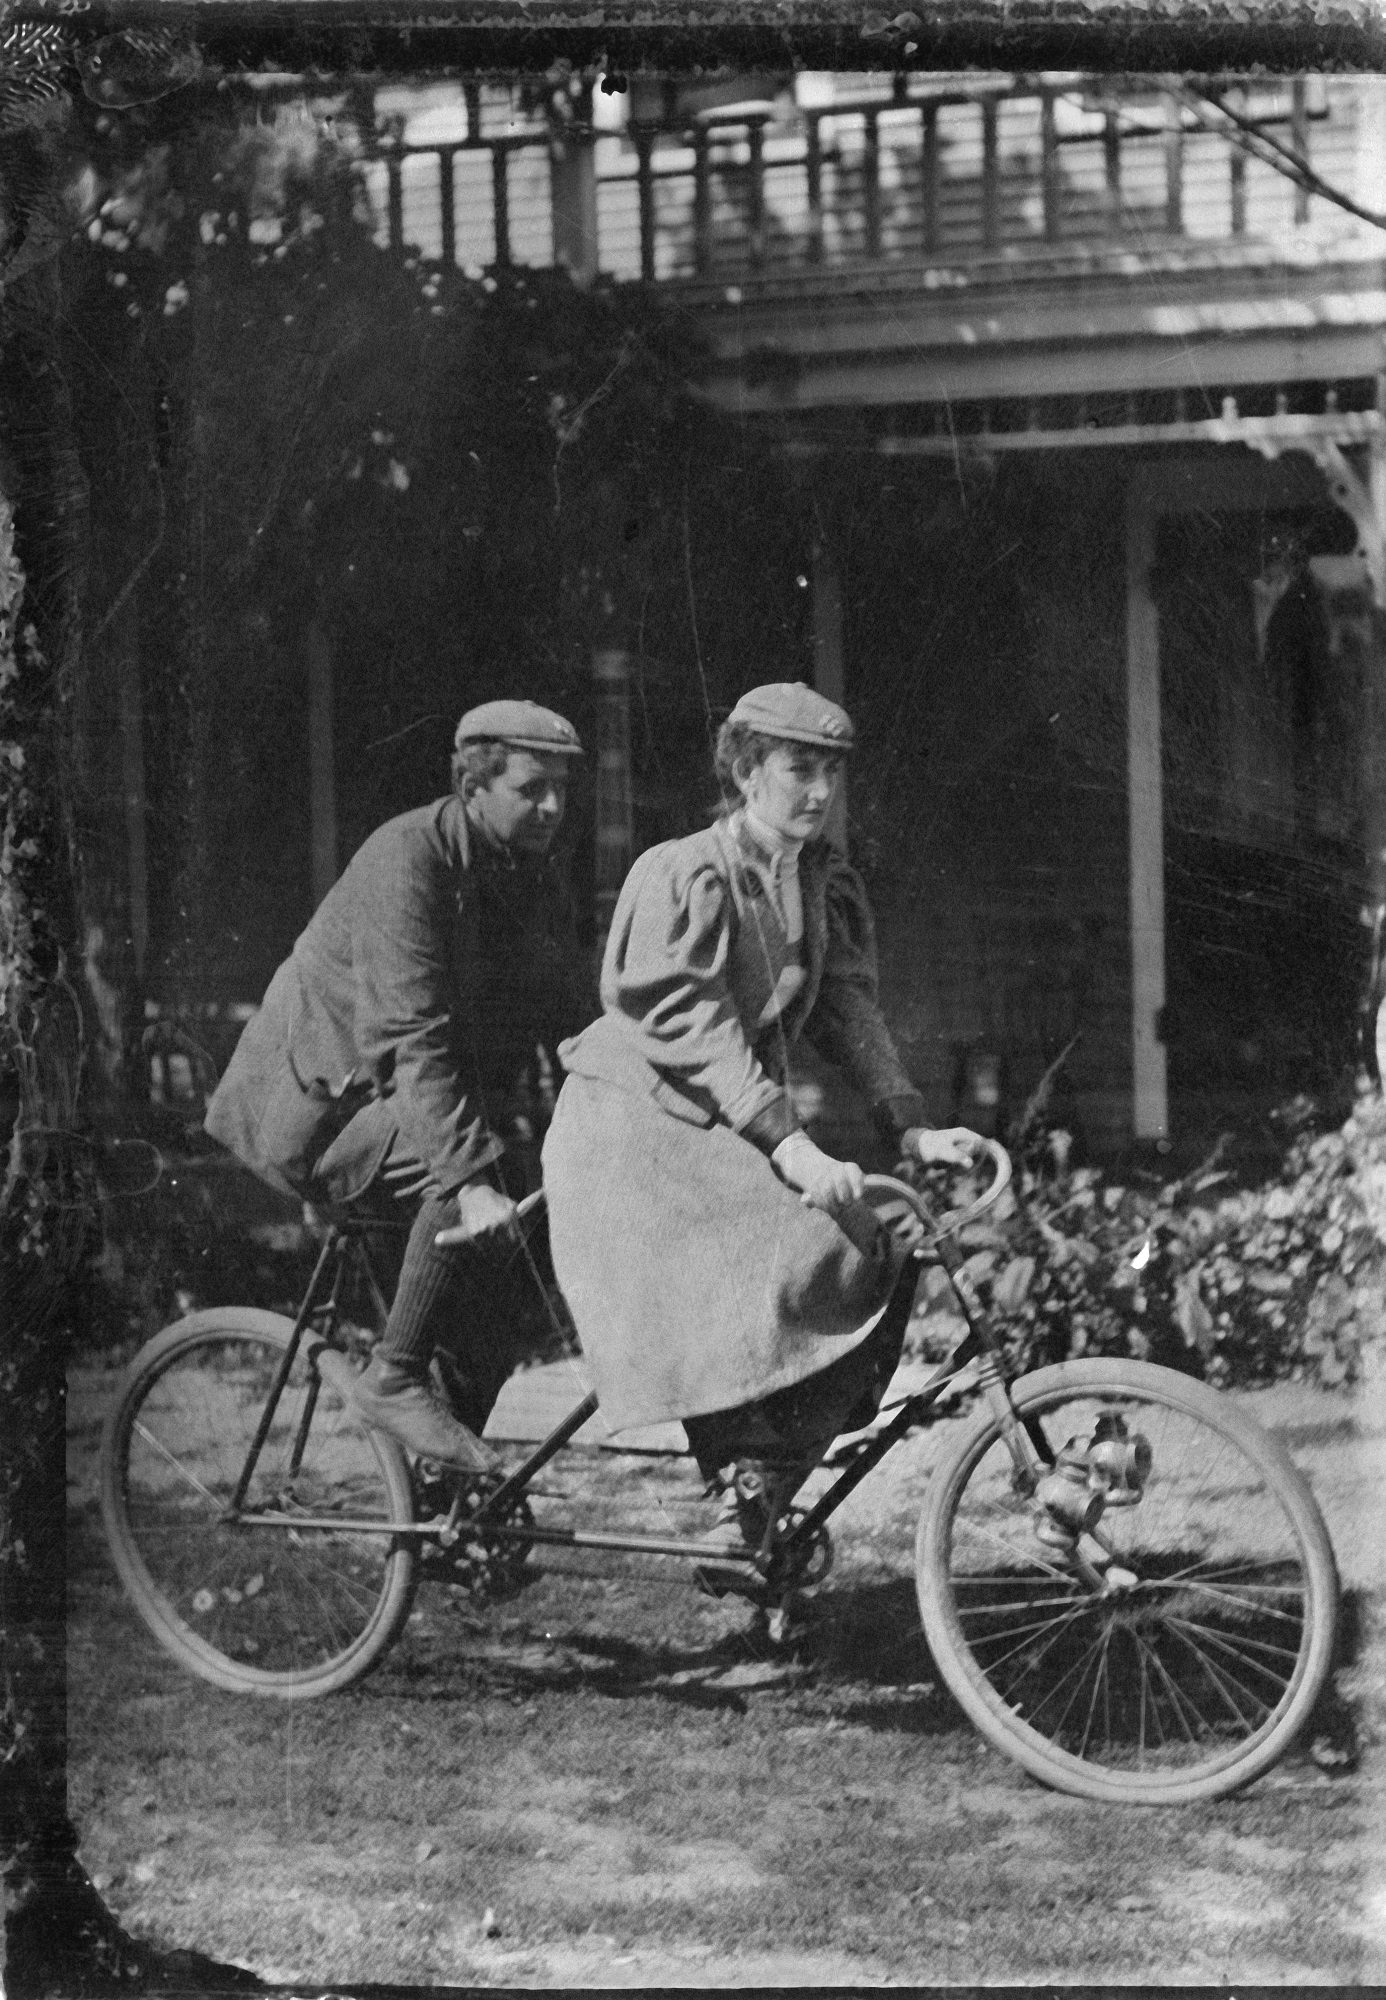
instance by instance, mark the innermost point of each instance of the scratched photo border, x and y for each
(667, 37)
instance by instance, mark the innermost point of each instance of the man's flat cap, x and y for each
(793, 710)
(522, 724)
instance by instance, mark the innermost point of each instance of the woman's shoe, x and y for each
(740, 1528)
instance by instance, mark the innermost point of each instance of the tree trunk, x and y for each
(59, 1937)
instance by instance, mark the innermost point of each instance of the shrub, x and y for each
(1286, 1280)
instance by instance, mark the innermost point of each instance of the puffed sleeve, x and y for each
(846, 1025)
(665, 972)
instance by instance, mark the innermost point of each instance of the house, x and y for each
(1082, 382)
(1074, 385)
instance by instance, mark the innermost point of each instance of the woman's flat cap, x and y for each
(524, 725)
(793, 710)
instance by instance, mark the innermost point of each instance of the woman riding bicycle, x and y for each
(721, 1268)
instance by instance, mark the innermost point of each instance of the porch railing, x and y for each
(915, 174)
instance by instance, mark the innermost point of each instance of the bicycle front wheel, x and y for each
(302, 1588)
(1197, 1662)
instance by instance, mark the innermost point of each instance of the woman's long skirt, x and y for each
(696, 1279)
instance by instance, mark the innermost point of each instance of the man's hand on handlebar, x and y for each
(483, 1214)
(955, 1146)
(822, 1181)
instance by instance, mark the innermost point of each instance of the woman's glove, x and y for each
(956, 1146)
(822, 1181)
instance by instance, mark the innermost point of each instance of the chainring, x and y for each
(803, 1568)
(487, 1566)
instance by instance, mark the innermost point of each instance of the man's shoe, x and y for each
(392, 1398)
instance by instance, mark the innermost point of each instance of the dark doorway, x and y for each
(1262, 863)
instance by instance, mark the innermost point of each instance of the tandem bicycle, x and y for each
(1123, 1580)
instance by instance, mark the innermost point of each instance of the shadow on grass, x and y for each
(861, 1656)
(861, 1652)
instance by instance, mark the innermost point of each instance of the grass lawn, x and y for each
(600, 1783)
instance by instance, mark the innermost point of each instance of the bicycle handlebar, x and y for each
(885, 1183)
(953, 1219)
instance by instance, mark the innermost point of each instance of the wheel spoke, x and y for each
(1149, 1710)
(1222, 1678)
(1040, 1564)
(1150, 1658)
(1075, 1674)
(170, 1458)
(1099, 1684)
(1191, 1580)
(1021, 1634)
(978, 1580)
(1246, 1645)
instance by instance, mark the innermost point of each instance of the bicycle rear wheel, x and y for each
(283, 1609)
(1193, 1670)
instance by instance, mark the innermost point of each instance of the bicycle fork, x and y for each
(1070, 1489)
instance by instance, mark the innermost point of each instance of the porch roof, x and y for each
(972, 333)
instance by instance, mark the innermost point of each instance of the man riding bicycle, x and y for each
(381, 1068)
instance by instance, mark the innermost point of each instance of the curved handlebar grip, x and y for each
(887, 1188)
(1001, 1161)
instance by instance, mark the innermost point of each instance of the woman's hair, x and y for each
(474, 764)
(738, 743)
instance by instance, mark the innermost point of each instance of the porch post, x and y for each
(1373, 765)
(1374, 735)
(828, 672)
(615, 824)
(132, 775)
(573, 191)
(1145, 799)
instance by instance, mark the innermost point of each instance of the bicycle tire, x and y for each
(283, 1612)
(1188, 1685)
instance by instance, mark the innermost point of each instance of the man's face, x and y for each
(523, 806)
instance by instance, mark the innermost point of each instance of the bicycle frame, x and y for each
(346, 1251)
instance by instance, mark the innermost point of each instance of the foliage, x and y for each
(1240, 1285)
(183, 1227)
(452, 480)
(45, 1185)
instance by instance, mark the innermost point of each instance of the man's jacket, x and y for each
(404, 1014)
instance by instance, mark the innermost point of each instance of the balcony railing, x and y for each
(924, 175)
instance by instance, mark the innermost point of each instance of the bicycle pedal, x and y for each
(717, 1580)
(785, 1627)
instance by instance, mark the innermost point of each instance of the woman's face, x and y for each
(791, 789)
